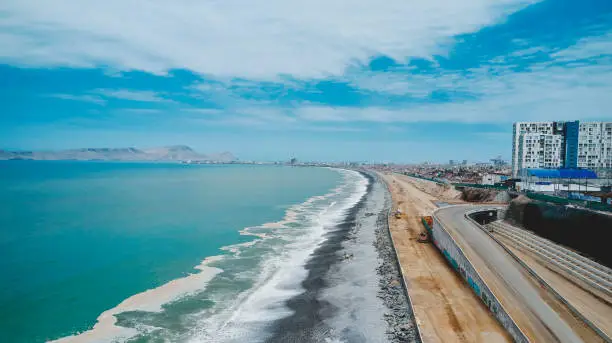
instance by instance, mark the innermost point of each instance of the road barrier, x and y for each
(459, 261)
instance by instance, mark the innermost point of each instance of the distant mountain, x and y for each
(168, 153)
(174, 153)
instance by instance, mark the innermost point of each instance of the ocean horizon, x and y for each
(158, 251)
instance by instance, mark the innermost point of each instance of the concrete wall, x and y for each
(532, 186)
(587, 232)
(457, 259)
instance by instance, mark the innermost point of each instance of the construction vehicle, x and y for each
(428, 223)
(423, 237)
(398, 214)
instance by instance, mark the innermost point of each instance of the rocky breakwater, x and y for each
(399, 317)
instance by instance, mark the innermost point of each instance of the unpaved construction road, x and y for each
(445, 308)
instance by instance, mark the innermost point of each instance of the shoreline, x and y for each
(309, 311)
(331, 305)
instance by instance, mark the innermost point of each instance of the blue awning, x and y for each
(563, 173)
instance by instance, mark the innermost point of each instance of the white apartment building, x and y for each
(595, 145)
(538, 150)
(523, 150)
(561, 144)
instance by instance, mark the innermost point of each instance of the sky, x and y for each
(335, 80)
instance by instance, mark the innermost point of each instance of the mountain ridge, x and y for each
(164, 153)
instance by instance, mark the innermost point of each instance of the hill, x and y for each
(167, 153)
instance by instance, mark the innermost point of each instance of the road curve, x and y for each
(506, 278)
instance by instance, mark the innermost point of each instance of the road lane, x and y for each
(511, 284)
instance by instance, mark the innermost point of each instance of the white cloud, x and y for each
(83, 97)
(100, 96)
(548, 93)
(132, 95)
(232, 38)
(579, 88)
(589, 47)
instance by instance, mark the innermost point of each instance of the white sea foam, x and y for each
(281, 275)
(237, 248)
(151, 300)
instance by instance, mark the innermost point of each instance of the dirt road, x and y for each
(445, 308)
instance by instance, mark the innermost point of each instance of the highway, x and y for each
(528, 305)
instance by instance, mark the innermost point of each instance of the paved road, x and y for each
(491, 261)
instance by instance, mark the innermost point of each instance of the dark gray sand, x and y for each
(353, 291)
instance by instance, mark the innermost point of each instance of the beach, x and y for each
(353, 290)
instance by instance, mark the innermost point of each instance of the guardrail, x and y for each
(478, 185)
(464, 266)
(398, 265)
(541, 281)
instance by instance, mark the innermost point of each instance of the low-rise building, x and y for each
(493, 178)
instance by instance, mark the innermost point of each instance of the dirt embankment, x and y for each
(443, 192)
(470, 194)
(448, 193)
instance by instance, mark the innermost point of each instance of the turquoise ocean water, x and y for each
(77, 238)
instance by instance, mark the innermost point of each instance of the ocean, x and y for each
(153, 252)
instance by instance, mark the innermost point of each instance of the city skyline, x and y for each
(330, 82)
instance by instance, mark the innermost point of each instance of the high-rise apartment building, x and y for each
(595, 145)
(561, 145)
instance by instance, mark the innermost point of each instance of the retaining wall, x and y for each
(585, 231)
(457, 259)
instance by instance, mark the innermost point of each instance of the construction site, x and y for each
(483, 265)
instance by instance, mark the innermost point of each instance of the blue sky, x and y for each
(404, 81)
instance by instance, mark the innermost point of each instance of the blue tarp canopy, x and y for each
(563, 173)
